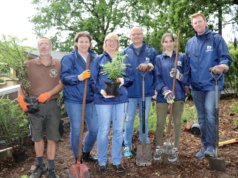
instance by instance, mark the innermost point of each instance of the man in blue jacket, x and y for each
(141, 58)
(207, 52)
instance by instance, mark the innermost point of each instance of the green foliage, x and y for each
(12, 56)
(13, 122)
(115, 69)
(234, 111)
(66, 17)
(152, 119)
(231, 81)
(189, 114)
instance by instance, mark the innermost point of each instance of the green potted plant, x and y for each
(114, 70)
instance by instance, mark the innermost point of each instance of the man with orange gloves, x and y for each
(40, 102)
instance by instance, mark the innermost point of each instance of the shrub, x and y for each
(13, 122)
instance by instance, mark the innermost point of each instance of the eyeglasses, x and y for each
(134, 34)
(112, 41)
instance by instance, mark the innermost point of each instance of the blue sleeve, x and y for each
(159, 84)
(223, 52)
(67, 76)
(185, 69)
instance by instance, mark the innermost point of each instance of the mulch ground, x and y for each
(187, 166)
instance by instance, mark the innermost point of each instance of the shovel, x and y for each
(216, 163)
(78, 169)
(168, 148)
(143, 151)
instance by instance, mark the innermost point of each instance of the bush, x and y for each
(13, 123)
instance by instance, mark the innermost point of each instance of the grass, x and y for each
(234, 111)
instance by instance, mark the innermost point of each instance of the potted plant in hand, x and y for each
(114, 70)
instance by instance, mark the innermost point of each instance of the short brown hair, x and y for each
(80, 34)
(199, 13)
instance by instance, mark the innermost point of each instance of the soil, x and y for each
(187, 166)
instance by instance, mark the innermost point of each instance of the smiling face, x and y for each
(199, 24)
(111, 43)
(168, 43)
(83, 44)
(137, 36)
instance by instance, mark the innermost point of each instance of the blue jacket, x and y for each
(147, 54)
(100, 82)
(203, 52)
(71, 66)
(163, 66)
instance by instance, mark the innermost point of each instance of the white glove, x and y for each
(121, 80)
(104, 94)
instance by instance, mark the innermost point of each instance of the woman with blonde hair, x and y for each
(110, 109)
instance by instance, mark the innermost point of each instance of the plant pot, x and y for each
(33, 106)
(112, 87)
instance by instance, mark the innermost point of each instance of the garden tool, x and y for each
(78, 169)
(215, 162)
(168, 148)
(143, 151)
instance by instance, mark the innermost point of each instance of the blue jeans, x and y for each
(107, 114)
(205, 106)
(129, 124)
(91, 120)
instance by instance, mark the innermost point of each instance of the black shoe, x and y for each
(102, 169)
(38, 172)
(52, 174)
(87, 157)
(119, 168)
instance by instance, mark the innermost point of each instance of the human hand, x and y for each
(219, 69)
(121, 81)
(174, 73)
(168, 95)
(43, 97)
(84, 75)
(22, 103)
(142, 67)
(105, 95)
(150, 67)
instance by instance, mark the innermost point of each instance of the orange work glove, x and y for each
(22, 103)
(43, 97)
(84, 75)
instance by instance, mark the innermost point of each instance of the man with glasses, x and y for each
(141, 57)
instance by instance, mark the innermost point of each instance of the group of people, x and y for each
(205, 52)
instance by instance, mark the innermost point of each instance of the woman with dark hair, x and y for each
(73, 74)
(165, 72)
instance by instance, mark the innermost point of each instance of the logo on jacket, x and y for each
(209, 48)
(53, 73)
(147, 59)
(179, 63)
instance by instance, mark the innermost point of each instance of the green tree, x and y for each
(66, 17)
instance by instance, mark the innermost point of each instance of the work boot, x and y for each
(102, 168)
(119, 168)
(158, 153)
(87, 157)
(39, 171)
(127, 152)
(52, 174)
